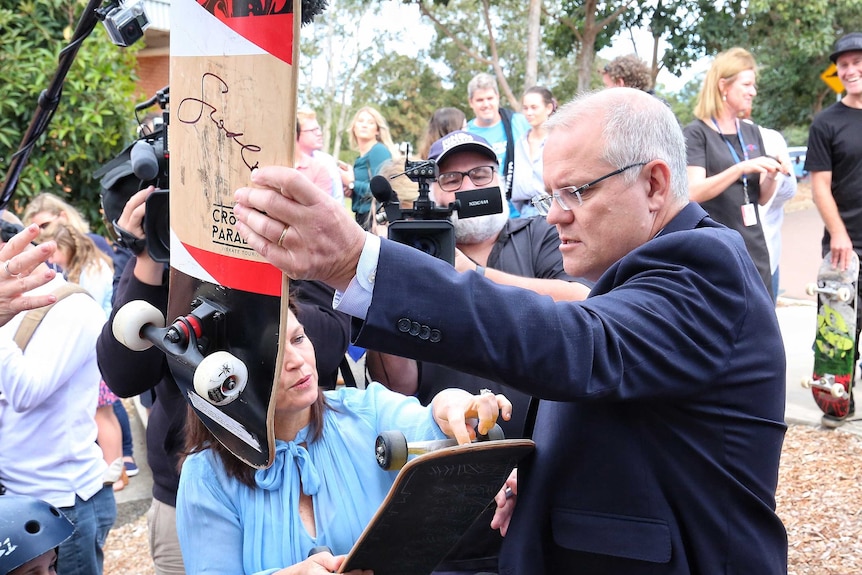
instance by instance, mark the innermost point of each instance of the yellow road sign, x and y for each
(830, 76)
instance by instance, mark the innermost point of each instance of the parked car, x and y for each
(797, 157)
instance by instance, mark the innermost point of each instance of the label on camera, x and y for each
(482, 202)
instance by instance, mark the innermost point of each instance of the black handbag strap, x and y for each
(509, 168)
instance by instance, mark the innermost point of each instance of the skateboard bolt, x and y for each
(173, 335)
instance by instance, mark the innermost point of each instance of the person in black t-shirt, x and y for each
(834, 160)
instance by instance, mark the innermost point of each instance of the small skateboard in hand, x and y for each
(835, 339)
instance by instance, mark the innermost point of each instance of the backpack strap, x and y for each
(35, 316)
(509, 169)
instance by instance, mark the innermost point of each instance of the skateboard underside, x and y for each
(233, 105)
(835, 339)
(435, 499)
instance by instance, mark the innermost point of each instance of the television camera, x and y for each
(143, 163)
(427, 226)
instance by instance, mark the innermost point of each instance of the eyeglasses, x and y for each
(480, 176)
(542, 203)
(317, 130)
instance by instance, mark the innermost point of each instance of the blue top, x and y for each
(364, 168)
(496, 135)
(227, 527)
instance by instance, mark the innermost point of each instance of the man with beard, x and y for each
(521, 252)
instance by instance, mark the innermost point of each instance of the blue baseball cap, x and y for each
(460, 141)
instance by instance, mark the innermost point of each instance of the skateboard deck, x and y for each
(835, 338)
(233, 68)
(436, 497)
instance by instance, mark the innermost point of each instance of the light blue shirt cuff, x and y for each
(356, 299)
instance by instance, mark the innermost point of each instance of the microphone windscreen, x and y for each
(145, 165)
(381, 189)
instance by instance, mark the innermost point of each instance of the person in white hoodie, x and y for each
(48, 395)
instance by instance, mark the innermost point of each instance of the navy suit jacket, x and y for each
(660, 430)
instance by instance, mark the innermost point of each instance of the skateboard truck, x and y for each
(219, 376)
(843, 291)
(827, 383)
(391, 448)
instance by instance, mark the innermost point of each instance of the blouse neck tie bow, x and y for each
(286, 453)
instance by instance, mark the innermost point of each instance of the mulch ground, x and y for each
(819, 499)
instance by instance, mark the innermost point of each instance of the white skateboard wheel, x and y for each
(838, 390)
(811, 289)
(844, 293)
(806, 382)
(220, 378)
(131, 319)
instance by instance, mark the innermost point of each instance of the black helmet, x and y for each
(29, 527)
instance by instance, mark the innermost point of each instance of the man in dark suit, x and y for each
(658, 448)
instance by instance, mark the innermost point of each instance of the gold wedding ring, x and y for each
(281, 237)
(6, 269)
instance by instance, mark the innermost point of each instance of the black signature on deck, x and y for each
(201, 108)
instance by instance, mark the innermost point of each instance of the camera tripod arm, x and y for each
(48, 101)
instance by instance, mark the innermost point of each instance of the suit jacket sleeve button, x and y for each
(435, 336)
(403, 325)
(424, 332)
(414, 328)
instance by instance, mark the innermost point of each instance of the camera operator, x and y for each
(130, 373)
(520, 252)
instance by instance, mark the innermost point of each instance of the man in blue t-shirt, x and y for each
(484, 99)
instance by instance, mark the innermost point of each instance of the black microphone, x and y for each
(381, 189)
(145, 164)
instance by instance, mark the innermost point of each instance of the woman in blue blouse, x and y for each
(324, 485)
(369, 134)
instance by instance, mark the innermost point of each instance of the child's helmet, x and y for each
(29, 527)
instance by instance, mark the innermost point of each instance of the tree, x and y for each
(584, 27)
(480, 36)
(94, 119)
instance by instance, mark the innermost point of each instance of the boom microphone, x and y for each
(144, 162)
(381, 189)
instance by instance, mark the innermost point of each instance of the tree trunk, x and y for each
(531, 74)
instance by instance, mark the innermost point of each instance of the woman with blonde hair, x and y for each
(729, 173)
(82, 262)
(46, 208)
(369, 135)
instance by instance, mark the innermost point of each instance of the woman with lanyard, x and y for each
(729, 173)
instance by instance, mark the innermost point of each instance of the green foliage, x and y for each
(682, 102)
(94, 118)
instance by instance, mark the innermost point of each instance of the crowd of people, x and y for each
(620, 307)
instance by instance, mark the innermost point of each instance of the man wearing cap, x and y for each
(522, 252)
(834, 159)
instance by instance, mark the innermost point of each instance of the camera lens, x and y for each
(427, 244)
